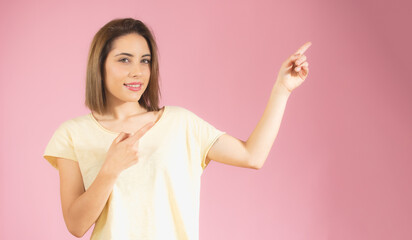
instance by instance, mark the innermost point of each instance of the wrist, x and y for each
(280, 89)
(108, 171)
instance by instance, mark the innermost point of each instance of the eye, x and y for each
(123, 60)
(147, 61)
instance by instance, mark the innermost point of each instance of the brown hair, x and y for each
(100, 48)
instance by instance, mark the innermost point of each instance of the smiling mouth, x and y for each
(133, 85)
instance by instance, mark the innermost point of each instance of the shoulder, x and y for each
(74, 123)
(188, 117)
(178, 110)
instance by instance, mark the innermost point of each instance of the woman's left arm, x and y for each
(253, 153)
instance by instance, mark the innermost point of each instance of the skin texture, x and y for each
(81, 208)
(122, 69)
(124, 112)
(253, 152)
(125, 116)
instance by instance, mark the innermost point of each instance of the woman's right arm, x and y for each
(82, 208)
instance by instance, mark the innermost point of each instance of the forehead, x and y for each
(132, 43)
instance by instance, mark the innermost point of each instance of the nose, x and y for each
(136, 71)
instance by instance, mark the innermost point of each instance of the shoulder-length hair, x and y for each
(101, 46)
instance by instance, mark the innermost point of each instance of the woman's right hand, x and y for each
(123, 153)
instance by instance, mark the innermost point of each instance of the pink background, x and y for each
(340, 167)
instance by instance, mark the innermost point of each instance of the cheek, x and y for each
(112, 78)
(114, 74)
(147, 71)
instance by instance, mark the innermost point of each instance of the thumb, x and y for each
(291, 60)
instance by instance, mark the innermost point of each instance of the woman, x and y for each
(133, 169)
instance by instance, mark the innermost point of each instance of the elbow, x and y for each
(77, 233)
(253, 164)
(256, 167)
(76, 226)
(75, 230)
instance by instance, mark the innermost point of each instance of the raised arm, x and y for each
(253, 152)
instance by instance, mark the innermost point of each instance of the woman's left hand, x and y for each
(294, 70)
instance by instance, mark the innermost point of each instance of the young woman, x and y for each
(133, 169)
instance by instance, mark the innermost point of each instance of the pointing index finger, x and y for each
(304, 47)
(139, 133)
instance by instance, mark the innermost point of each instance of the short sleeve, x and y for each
(60, 145)
(207, 135)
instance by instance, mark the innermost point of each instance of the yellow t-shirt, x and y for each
(157, 198)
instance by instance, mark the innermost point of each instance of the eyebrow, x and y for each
(131, 55)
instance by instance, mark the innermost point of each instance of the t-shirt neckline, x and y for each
(117, 133)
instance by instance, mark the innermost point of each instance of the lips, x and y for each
(133, 86)
(133, 83)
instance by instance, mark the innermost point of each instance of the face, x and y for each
(127, 69)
